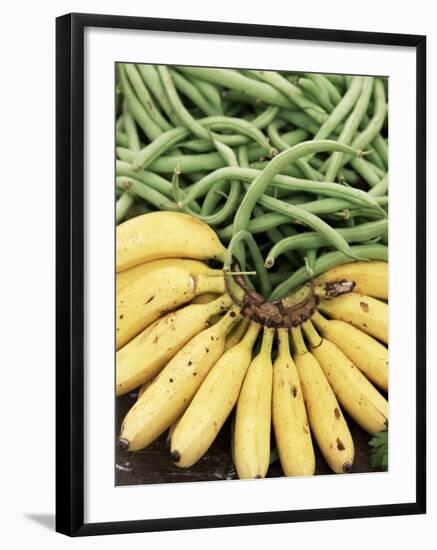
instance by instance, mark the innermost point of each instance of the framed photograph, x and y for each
(240, 274)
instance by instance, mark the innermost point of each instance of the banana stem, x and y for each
(284, 342)
(266, 346)
(251, 335)
(230, 319)
(204, 283)
(319, 320)
(298, 341)
(311, 333)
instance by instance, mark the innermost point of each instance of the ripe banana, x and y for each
(146, 299)
(158, 235)
(144, 387)
(324, 414)
(370, 278)
(253, 417)
(362, 311)
(290, 421)
(145, 355)
(237, 333)
(205, 298)
(369, 355)
(356, 394)
(194, 267)
(172, 429)
(213, 403)
(170, 394)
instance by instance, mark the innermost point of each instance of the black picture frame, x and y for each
(70, 272)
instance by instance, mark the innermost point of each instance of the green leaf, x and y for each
(379, 452)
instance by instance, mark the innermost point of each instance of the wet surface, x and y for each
(154, 465)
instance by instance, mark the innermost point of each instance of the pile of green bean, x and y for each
(290, 169)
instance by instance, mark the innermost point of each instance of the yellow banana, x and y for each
(158, 235)
(213, 403)
(172, 429)
(237, 333)
(364, 312)
(290, 422)
(356, 394)
(324, 414)
(370, 278)
(149, 297)
(145, 355)
(194, 267)
(253, 418)
(144, 387)
(170, 394)
(369, 355)
(204, 298)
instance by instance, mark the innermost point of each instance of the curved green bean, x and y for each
(230, 78)
(311, 240)
(261, 271)
(137, 188)
(293, 93)
(189, 90)
(281, 182)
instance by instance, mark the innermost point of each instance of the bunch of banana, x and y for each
(189, 350)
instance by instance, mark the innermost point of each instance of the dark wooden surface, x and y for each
(153, 464)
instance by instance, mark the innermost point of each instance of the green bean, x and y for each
(144, 96)
(380, 145)
(189, 90)
(337, 80)
(236, 81)
(380, 188)
(341, 110)
(293, 93)
(183, 114)
(328, 261)
(282, 145)
(122, 206)
(213, 197)
(299, 119)
(281, 182)
(214, 218)
(145, 122)
(276, 236)
(131, 131)
(333, 93)
(373, 157)
(320, 95)
(243, 158)
(158, 147)
(372, 129)
(153, 82)
(240, 126)
(310, 261)
(307, 218)
(260, 224)
(150, 179)
(167, 140)
(210, 92)
(366, 171)
(344, 173)
(261, 271)
(350, 127)
(138, 189)
(312, 240)
(121, 139)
